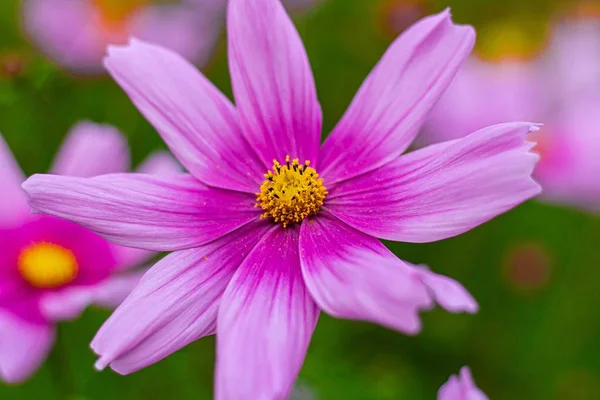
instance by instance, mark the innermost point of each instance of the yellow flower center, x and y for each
(291, 192)
(47, 265)
(511, 41)
(116, 11)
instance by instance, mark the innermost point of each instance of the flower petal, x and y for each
(442, 190)
(23, 347)
(352, 275)
(157, 163)
(175, 303)
(272, 82)
(13, 202)
(390, 107)
(484, 94)
(461, 388)
(67, 31)
(112, 292)
(569, 149)
(189, 29)
(69, 303)
(265, 322)
(448, 293)
(572, 59)
(451, 390)
(92, 149)
(198, 123)
(161, 213)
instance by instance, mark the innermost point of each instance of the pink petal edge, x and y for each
(153, 212)
(390, 108)
(442, 190)
(175, 303)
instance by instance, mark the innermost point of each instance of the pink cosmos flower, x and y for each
(558, 88)
(468, 106)
(260, 247)
(571, 65)
(570, 148)
(51, 269)
(526, 90)
(461, 387)
(75, 33)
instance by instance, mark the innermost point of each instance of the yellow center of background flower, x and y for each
(47, 265)
(117, 11)
(291, 192)
(512, 41)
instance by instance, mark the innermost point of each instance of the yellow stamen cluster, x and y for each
(291, 192)
(47, 265)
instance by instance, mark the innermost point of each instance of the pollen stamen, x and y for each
(290, 192)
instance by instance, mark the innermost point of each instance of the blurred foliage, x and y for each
(534, 270)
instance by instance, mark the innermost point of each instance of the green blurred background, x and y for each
(535, 270)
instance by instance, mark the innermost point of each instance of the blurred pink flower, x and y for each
(461, 387)
(571, 65)
(75, 33)
(258, 269)
(51, 269)
(570, 154)
(484, 94)
(560, 88)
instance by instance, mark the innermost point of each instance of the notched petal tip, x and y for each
(37, 183)
(101, 364)
(31, 184)
(114, 50)
(527, 126)
(447, 15)
(448, 293)
(465, 372)
(531, 141)
(535, 127)
(472, 308)
(415, 330)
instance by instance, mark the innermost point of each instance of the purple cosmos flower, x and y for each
(260, 247)
(75, 33)
(461, 387)
(51, 269)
